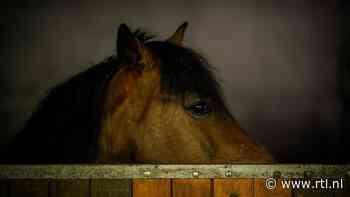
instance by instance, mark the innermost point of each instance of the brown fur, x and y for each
(156, 129)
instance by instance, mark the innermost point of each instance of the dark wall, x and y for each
(277, 60)
(343, 75)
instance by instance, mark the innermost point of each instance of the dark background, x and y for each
(283, 64)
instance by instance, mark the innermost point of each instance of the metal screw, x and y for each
(277, 174)
(195, 174)
(147, 173)
(228, 173)
(308, 174)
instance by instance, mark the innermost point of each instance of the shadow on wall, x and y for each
(277, 60)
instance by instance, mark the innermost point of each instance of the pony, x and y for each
(153, 102)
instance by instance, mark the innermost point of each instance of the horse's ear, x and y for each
(178, 36)
(129, 48)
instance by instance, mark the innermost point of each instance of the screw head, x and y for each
(228, 173)
(277, 174)
(147, 173)
(195, 174)
(308, 174)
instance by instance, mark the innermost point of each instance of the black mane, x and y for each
(66, 124)
(184, 72)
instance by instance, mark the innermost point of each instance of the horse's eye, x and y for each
(199, 109)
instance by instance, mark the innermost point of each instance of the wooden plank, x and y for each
(151, 188)
(29, 188)
(233, 187)
(261, 190)
(314, 193)
(192, 188)
(110, 187)
(70, 188)
(4, 187)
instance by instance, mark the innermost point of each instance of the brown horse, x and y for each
(156, 102)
